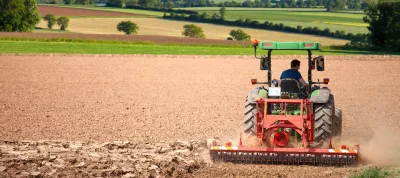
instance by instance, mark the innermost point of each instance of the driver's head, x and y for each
(295, 64)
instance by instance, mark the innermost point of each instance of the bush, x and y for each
(239, 35)
(229, 38)
(51, 20)
(128, 27)
(193, 31)
(63, 22)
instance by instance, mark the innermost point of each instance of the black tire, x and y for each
(250, 110)
(338, 114)
(325, 125)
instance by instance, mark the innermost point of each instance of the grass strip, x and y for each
(78, 46)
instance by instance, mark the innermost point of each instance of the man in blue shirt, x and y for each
(294, 73)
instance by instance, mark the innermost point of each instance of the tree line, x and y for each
(331, 5)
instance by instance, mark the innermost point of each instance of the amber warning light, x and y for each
(254, 42)
(253, 81)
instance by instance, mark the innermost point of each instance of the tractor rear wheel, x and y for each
(327, 124)
(338, 114)
(250, 110)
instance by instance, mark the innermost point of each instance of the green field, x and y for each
(349, 22)
(104, 47)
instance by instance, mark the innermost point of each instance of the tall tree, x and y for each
(18, 15)
(384, 23)
(222, 12)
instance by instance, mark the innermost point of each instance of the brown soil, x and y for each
(135, 38)
(65, 11)
(146, 98)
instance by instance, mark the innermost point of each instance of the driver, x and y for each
(294, 73)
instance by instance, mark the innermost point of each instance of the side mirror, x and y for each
(319, 62)
(264, 63)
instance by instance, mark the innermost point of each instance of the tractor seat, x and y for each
(290, 85)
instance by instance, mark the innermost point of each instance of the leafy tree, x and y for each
(215, 16)
(354, 4)
(291, 3)
(170, 4)
(202, 3)
(128, 27)
(63, 22)
(384, 23)
(266, 3)
(69, 1)
(248, 3)
(116, 3)
(18, 15)
(193, 31)
(222, 12)
(239, 35)
(300, 3)
(51, 20)
(335, 5)
(148, 3)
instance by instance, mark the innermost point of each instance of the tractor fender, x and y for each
(253, 94)
(320, 95)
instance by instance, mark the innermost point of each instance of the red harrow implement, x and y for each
(294, 125)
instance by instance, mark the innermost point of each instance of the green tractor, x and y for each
(327, 119)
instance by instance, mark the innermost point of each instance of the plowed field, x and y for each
(63, 11)
(153, 99)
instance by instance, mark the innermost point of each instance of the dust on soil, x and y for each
(65, 11)
(158, 99)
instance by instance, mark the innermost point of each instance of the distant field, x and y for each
(155, 26)
(113, 9)
(349, 22)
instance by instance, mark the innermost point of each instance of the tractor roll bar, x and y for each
(309, 70)
(269, 66)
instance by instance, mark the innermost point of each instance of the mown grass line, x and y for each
(95, 41)
(137, 48)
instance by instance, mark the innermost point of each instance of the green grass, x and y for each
(11, 45)
(349, 22)
(375, 172)
(113, 9)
